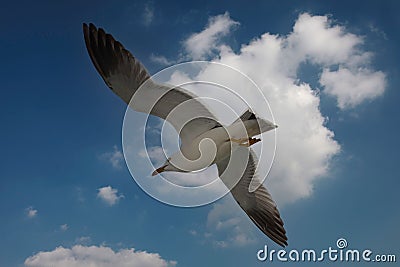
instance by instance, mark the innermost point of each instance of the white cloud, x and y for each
(148, 14)
(155, 153)
(99, 256)
(202, 44)
(31, 212)
(109, 195)
(64, 227)
(162, 60)
(353, 87)
(115, 157)
(229, 225)
(305, 146)
(315, 38)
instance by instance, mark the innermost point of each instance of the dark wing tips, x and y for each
(109, 57)
(261, 209)
(101, 49)
(275, 233)
(91, 41)
(278, 235)
(266, 214)
(272, 227)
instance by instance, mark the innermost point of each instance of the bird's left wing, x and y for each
(124, 74)
(257, 204)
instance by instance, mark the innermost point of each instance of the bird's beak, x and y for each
(159, 170)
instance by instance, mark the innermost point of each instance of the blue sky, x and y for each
(61, 133)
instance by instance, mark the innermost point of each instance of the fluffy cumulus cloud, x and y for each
(109, 195)
(352, 87)
(99, 256)
(203, 44)
(305, 145)
(315, 39)
(115, 157)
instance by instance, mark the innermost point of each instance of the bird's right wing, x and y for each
(124, 74)
(257, 204)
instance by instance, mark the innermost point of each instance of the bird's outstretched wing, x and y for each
(124, 74)
(257, 204)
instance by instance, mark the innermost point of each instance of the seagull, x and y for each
(204, 141)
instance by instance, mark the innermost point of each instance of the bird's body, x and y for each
(216, 144)
(214, 140)
(204, 141)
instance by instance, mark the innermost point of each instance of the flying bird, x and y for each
(230, 145)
